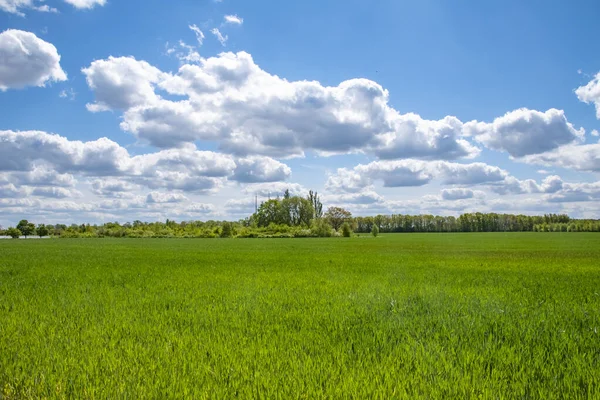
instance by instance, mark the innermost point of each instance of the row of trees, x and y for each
(470, 222)
(296, 216)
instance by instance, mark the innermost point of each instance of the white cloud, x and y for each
(121, 83)
(524, 132)
(67, 93)
(27, 61)
(406, 173)
(10, 191)
(579, 157)
(233, 19)
(364, 197)
(260, 169)
(595, 132)
(233, 102)
(590, 93)
(113, 187)
(199, 34)
(56, 192)
(222, 39)
(39, 175)
(157, 197)
(240, 206)
(274, 189)
(459, 194)
(512, 185)
(16, 6)
(33, 156)
(85, 4)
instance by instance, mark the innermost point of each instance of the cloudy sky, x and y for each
(187, 109)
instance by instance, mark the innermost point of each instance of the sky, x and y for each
(123, 110)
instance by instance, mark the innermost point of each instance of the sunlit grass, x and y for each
(405, 316)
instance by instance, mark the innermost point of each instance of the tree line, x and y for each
(297, 216)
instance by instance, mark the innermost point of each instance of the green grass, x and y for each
(399, 316)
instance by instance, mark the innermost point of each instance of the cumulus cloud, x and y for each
(524, 132)
(590, 93)
(121, 83)
(260, 169)
(240, 206)
(39, 175)
(403, 173)
(459, 194)
(27, 61)
(233, 19)
(113, 187)
(85, 4)
(39, 158)
(230, 100)
(157, 197)
(364, 197)
(56, 192)
(579, 157)
(512, 185)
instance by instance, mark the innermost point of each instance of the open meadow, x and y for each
(483, 315)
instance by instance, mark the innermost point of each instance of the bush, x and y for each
(346, 230)
(375, 230)
(320, 228)
(13, 233)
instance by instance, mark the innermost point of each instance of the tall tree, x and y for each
(313, 197)
(336, 216)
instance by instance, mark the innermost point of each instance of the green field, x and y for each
(398, 316)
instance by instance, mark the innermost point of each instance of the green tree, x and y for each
(226, 230)
(42, 230)
(375, 230)
(13, 233)
(336, 216)
(313, 197)
(268, 213)
(346, 230)
(26, 227)
(296, 211)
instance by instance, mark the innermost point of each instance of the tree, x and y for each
(375, 230)
(296, 211)
(336, 216)
(226, 230)
(26, 227)
(13, 233)
(313, 197)
(268, 213)
(42, 230)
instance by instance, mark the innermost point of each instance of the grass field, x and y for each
(399, 316)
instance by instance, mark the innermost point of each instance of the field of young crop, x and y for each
(398, 316)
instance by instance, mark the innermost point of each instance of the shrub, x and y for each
(346, 230)
(320, 227)
(375, 230)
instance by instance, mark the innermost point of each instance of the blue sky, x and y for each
(391, 107)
